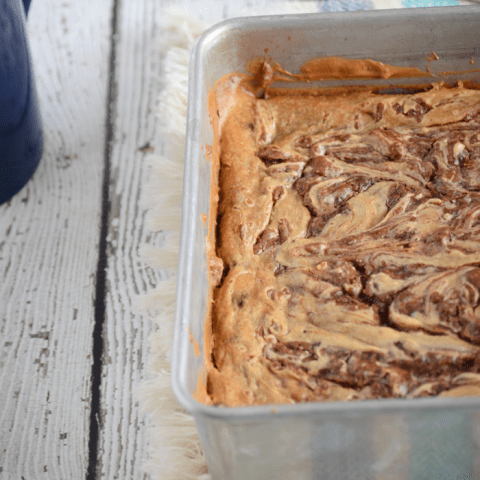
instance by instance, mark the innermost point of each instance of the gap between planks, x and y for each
(100, 286)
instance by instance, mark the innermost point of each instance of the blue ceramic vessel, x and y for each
(21, 139)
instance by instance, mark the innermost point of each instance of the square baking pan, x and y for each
(398, 439)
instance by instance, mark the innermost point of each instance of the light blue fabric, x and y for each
(428, 3)
(345, 5)
(352, 5)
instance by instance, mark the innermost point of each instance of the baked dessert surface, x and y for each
(349, 229)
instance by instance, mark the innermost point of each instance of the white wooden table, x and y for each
(72, 353)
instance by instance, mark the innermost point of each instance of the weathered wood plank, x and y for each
(48, 251)
(122, 442)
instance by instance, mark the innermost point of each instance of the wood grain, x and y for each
(48, 256)
(122, 443)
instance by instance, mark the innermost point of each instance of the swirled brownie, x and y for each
(349, 239)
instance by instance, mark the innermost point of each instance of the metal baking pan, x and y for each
(418, 439)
